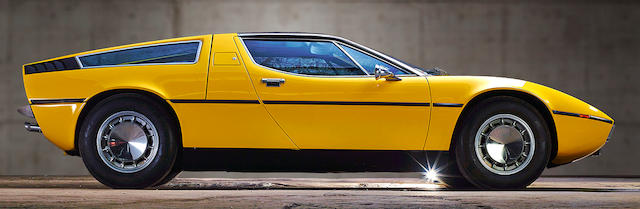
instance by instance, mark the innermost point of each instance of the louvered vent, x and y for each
(51, 66)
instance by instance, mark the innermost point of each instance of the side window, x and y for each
(167, 53)
(302, 57)
(369, 63)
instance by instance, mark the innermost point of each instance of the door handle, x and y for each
(273, 82)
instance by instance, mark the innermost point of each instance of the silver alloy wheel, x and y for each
(127, 141)
(504, 144)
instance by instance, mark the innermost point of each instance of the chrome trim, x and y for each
(78, 61)
(383, 72)
(335, 38)
(410, 73)
(32, 127)
(143, 46)
(600, 119)
(350, 57)
(272, 82)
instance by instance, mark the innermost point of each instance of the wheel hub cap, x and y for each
(127, 141)
(504, 144)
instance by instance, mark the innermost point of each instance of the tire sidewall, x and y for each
(159, 166)
(469, 164)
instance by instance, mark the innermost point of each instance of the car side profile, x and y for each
(140, 114)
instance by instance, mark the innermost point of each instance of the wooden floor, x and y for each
(58, 192)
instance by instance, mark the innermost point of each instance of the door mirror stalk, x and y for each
(384, 72)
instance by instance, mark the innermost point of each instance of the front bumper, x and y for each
(605, 143)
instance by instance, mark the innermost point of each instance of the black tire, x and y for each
(471, 167)
(451, 177)
(167, 148)
(174, 172)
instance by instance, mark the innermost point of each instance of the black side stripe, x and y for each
(318, 102)
(55, 101)
(582, 116)
(566, 113)
(447, 105)
(345, 103)
(215, 101)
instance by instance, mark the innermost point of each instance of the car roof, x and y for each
(293, 35)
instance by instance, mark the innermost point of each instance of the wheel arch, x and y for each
(527, 97)
(91, 103)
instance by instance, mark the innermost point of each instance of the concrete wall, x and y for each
(589, 49)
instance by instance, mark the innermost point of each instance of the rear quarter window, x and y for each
(183, 52)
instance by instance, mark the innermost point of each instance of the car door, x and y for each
(323, 99)
(230, 115)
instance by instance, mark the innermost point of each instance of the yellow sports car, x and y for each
(139, 114)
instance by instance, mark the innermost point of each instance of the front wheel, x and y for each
(503, 144)
(127, 141)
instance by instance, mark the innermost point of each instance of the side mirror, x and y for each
(383, 72)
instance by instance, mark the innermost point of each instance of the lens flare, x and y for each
(431, 175)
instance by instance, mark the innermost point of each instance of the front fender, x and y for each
(577, 136)
(582, 129)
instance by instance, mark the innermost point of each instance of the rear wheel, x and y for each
(503, 144)
(174, 172)
(127, 141)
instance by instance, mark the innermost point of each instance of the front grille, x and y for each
(51, 66)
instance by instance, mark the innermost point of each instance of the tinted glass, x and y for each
(170, 53)
(302, 57)
(369, 63)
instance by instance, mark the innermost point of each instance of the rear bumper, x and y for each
(32, 127)
(27, 112)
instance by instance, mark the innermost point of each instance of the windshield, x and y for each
(430, 71)
(409, 64)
